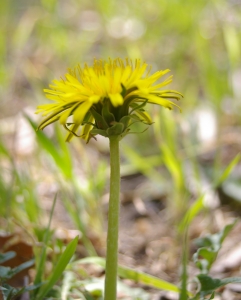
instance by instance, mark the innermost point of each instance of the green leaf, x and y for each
(209, 284)
(6, 256)
(4, 272)
(59, 268)
(210, 246)
(21, 267)
(212, 296)
(227, 171)
(9, 292)
(7, 272)
(136, 276)
(147, 279)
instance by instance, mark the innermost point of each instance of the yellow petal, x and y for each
(81, 111)
(64, 116)
(94, 98)
(116, 99)
(144, 116)
(160, 101)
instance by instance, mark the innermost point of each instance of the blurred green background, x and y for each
(198, 40)
(181, 154)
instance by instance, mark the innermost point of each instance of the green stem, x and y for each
(113, 221)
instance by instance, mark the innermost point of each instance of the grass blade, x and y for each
(196, 207)
(59, 269)
(136, 276)
(228, 170)
(40, 268)
(62, 160)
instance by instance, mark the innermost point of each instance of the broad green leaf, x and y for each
(9, 292)
(21, 267)
(59, 268)
(6, 256)
(210, 246)
(209, 284)
(215, 240)
(7, 272)
(4, 272)
(136, 276)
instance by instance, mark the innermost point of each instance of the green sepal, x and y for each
(47, 121)
(100, 121)
(124, 110)
(106, 114)
(136, 118)
(137, 106)
(123, 92)
(125, 121)
(72, 131)
(96, 131)
(125, 133)
(116, 129)
(87, 117)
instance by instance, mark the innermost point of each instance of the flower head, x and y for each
(105, 98)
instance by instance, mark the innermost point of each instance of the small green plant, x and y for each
(41, 285)
(7, 273)
(204, 257)
(208, 248)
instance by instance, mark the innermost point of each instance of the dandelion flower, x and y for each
(105, 98)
